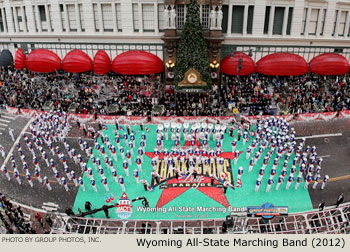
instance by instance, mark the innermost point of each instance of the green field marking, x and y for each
(297, 201)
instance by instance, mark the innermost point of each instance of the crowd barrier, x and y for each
(134, 120)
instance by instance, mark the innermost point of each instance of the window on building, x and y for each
(267, 19)
(63, 17)
(1, 22)
(335, 22)
(107, 17)
(323, 21)
(303, 23)
(96, 17)
(72, 18)
(342, 21)
(161, 19)
(205, 10)
(224, 18)
(5, 18)
(180, 16)
(42, 13)
(135, 15)
(18, 16)
(148, 17)
(278, 21)
(290, 20)
(35, 19)
(314, 16)
(237, 19)
(119, 17)
(250, 19)
(81, 16)
(13, 20)
(50, 17)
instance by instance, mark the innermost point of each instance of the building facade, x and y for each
(257, 27)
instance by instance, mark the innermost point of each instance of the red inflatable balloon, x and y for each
(137, 63)
(20, 59)
(229, 65)
(102, 63)
(329, 64)
(77, 61)
(43, 61)
(282, 64)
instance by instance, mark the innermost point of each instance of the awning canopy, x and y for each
(102, 63)
(137, 63)
(282, 64)
(20, 59)
(6, 58)
(329, 64)
(43, 61)
(229, 65)
(77, 61)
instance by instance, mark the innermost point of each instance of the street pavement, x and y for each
(334, 148)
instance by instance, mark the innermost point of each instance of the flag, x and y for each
(183, 176)
(147, 130)
(122, 128)
(239, 183)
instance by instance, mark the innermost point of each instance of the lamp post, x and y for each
(214, 65)
(170, 65)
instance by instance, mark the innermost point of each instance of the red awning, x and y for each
(20, 59)
(229, 65)
(77, 61)
(102, 63)
(43, 61)
(329, 64)
(137, 63)
(282, 64)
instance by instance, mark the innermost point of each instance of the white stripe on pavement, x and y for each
(319, 136)
(51, 204)
(5, 121)
(2, 128)
(7, 117)
(50, 209)
(1, 124)
(0, 133)
(16, 142)
(324, 156)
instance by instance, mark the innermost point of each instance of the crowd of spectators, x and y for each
(12, 219)
(78, 93)
(258, 94)
(205, 103)
(142, 95)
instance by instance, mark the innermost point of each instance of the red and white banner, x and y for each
(130, 120)
(192, 119)
(308, 117)
(344, 114)
(135, 120)
(328, 116)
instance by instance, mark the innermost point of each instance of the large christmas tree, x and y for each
(192, 51)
